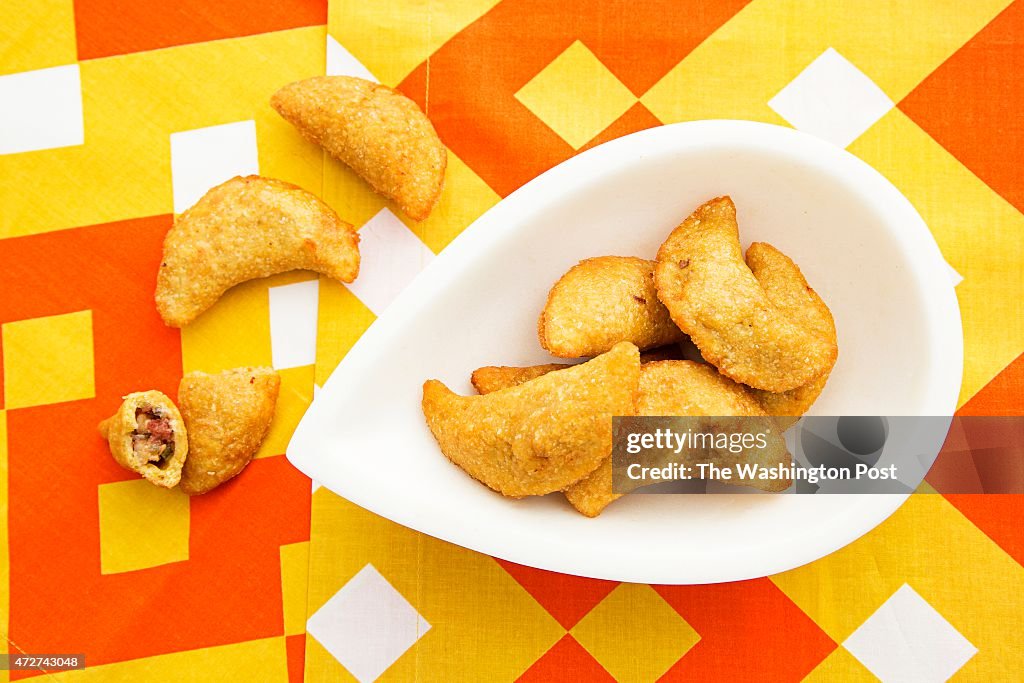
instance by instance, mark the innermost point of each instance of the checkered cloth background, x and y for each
(116, 114)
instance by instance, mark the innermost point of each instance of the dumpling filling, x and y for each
(153, 438)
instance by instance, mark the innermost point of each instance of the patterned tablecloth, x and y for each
(115, 115)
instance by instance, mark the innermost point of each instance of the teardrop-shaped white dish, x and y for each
(859, 242)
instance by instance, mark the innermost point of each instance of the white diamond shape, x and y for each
(41, 109)
(204, 157)
(832, 99)
(907, 640)
(367, 625)
(341, 62)
(390, 257)
(293, 312)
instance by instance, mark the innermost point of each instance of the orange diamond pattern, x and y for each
(957, 104)
(473, 103)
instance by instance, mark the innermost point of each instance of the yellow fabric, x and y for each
(576, 76)
(474, 606)
(255, 660)
(294, 565)
(48, 360)
(141, 526)
(926, 544)
(37, 35)
(132, 103)
(392, 37)
(657, 635)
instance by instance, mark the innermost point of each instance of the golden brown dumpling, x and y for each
(228, 415)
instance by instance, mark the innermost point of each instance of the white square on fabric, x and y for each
(41, 109)
(205, 157)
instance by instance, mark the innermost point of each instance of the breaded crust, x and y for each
(248, 228)
(666, 388)
(492, 378)
(786, 287)
(228, 415)
(689, 389)
(712, 296)
(681, 388)
(602, 301)
(540, 436)
(593, 493)
(497, 377)
(376, 130)
(118, 428)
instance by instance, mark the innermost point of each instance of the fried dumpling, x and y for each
(711, 294)
(540, 436)
(786, 287)
(228, 415)
(602, 301)
(249, 228)
(375, 130)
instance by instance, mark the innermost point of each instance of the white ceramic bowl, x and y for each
(859, 242)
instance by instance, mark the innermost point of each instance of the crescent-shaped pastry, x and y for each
(147, 435)
(377, 131)
(602, 301)
(786, 287)
(676, 387)
(540, 436)
(248, 228)
(713, 297)
(228, 415)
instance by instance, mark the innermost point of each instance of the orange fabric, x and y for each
(235, 531)
(566, 597)
(1004, 395)
(968, 104)
(638, 117)
(998, 516)
(472, 101)
(115, 27)
(568, 662)
(296, 646)
(742, 623)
